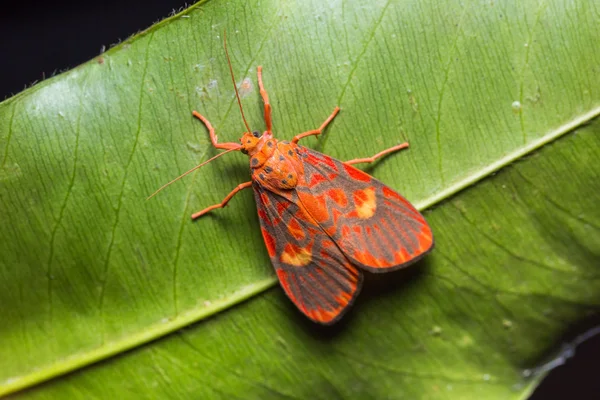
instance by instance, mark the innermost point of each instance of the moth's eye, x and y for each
(256, 134)
(244, 151)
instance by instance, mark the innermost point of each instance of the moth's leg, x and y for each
(213, 136)
(265, 97)
(378, 155)
(317, 131)
(222, 204)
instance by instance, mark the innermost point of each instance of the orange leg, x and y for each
(376, 156)
(265, 98)
(213, 136)
(222, 204)
(317, 131)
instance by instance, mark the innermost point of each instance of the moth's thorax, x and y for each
(276, 165)
(262, 151)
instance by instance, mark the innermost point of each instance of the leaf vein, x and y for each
(525, 65)
(123, 182)
(323, 140)
(505, 249)
(557, 205)
(271, 390)
(438, 118)
(10, 132)
(61, 214)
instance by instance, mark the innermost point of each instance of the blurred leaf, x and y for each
(90, 269)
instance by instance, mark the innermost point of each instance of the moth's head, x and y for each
(252, 142)
(249, 141)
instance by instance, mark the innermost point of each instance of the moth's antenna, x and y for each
(237, 95)
(191, 170)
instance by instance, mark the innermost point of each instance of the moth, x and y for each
(323, 221)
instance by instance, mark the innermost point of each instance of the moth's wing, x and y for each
(375, 227)
(312, 270)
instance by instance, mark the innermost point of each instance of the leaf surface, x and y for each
(90, 269)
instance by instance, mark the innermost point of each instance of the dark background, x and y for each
(42, 38)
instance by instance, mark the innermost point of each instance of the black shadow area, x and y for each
(41, 38)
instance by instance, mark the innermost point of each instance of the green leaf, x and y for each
(89, 269)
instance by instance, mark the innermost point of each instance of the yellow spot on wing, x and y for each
(365, 201)
(296, 256)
